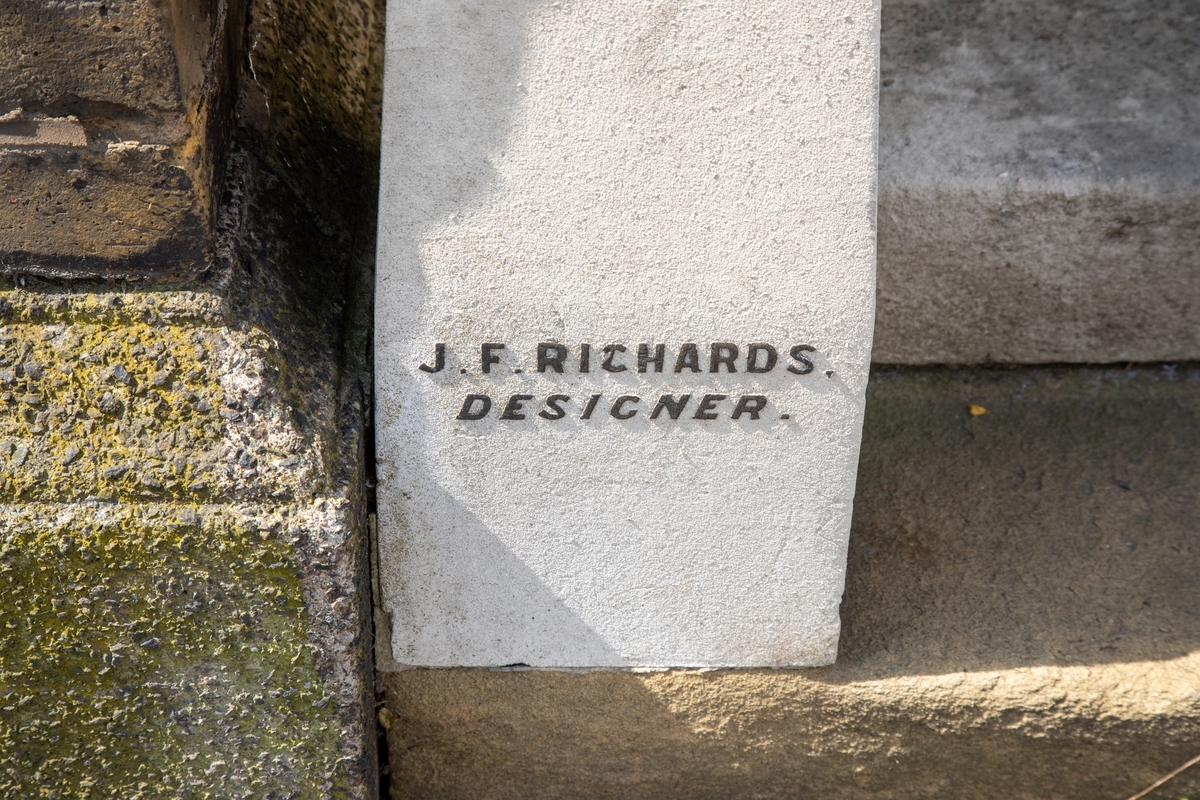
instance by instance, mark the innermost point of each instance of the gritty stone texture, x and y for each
(626, 173)
(183, 500)
(158, 650)
(145, 91)
(61, 132)
(88, 212)
(1039, 195)
(178, 558)
(1021, 621)
(119, 55)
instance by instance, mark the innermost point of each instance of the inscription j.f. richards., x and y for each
(624, 304)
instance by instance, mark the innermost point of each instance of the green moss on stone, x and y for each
(154, 640)
(153, 651)
(110, 411)
(114, 400)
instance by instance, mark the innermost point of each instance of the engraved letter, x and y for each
(752, 357)
(590, 407)
(551, 355)
(617, 407)
(585, 357)
(669, 404)
(513, 409)
(489, 357)
(722, 353)
(554, 409)
(484, 407)
(707, 404)
(644, 357)
(439, 359)
(751, 404)
(796, 354)
(611, 350)
(689, 356)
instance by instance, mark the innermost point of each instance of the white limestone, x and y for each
(624, 172)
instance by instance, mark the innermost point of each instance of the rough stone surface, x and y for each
(623, 173)
(116, 210)
(1039, 190)
(183, 498)
(145, 91)
(1020, 621)
(183, 600)
(119, 55)
(159, 650)
(311, 99)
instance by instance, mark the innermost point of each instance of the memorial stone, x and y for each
(625, 299)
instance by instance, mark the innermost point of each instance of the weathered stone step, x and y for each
(1039, 182)
(1021, 620)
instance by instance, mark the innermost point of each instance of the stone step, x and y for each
(1021, 620)
(1039, 195)
(113, 127)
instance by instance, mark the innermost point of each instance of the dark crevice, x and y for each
(180, 256)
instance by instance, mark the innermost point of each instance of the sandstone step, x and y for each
(114, 120)
(1021, 620)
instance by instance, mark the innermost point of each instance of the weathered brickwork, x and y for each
(115, 121)
(158, 650)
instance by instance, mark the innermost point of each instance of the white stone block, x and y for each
(623, 173)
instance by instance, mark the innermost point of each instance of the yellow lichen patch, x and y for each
(114, 307)
(137, 411)
(108, 411)
(155, 651)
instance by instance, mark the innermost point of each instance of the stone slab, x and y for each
(1039, 194)
(591, 188)
(63, 55)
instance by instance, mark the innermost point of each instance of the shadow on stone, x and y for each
(1056, 529)
(492, 610)
(1020, 608)
(763, 734)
